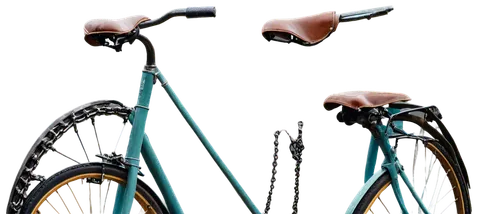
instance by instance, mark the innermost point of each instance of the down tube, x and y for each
(161, 180)
(248, 202)
(159, 175)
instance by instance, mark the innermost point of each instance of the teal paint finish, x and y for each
(117, 203)
(138, 119)
(392, 168)
(161, 180)
(402, 174)
(390, 165)
(135, 142)
(158, 174)
(248, 202)
(371, 160)
(407, 182)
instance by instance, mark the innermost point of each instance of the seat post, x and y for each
(149, 50)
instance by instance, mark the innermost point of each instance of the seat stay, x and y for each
(392, 165)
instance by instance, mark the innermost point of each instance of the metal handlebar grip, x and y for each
(200, 12)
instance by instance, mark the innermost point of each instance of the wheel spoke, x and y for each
(75, 198)
(436, 177)
(78, 119)
(416, 155)
(79, 139)
(383, 204)
(63, 201)
(78, 199)
(90, 199)
(71, 193)
(450, 205)
(438, 191)
(52, 206)
(60, 201)
(106, 197)
(63, 154)
(101, 190)
(97, 137)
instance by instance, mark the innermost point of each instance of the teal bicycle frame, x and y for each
(391, 163)
(139, 143)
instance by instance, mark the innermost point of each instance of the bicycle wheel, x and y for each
(74, 138)
(440, 186)
(88, 187)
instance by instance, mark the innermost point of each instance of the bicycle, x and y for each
(386, 115)
(312, 30)
(116, 171)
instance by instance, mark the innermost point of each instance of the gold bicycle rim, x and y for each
(452, 177)
(140, 199)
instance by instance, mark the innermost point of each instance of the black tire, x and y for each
(462, 204)
(367, 199)
(144, 195)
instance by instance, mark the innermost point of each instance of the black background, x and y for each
(242, 88)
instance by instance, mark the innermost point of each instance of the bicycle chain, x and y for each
(51, 135)
(296, 148)
(273, 173)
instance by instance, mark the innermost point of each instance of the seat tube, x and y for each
(379, 138)
(123, 203)
(371, 159)
(390, 161)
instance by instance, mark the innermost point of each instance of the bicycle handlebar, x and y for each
(365, 14)
(190, 12)
(200, 12)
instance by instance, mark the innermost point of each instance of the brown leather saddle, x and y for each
(363, 99)
(98, 28)
(307, 30)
